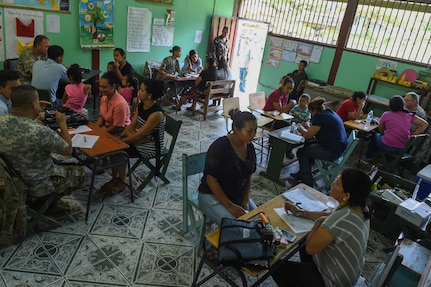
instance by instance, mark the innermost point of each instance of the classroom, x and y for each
(145, 234)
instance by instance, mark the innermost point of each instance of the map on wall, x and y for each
(96, 20)
(50, 5)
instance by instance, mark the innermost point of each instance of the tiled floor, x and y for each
(131, 244)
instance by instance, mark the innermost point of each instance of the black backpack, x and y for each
(12, 206)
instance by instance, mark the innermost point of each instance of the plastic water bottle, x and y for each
(369, 119)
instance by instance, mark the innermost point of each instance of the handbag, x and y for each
(244, 243)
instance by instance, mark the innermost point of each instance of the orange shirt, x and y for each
(115, 111)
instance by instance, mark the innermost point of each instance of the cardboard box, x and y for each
(413, 211)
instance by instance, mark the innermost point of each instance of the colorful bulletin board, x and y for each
(292, 51)
(47, 5)
(96, 23)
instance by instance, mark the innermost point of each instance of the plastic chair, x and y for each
(392, 161)
(193, 164)
(172, 128)
(10, 64)
(228, 105)
(329, 170)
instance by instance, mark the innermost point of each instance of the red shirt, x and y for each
(346, 107)
(276, 97)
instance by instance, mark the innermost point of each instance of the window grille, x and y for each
(392, 28)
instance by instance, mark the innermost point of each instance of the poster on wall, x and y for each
(138, 29)
(20, 28)
(292, 51)
(96, 23)
(163, 2)
(48, 5)
(163, 36)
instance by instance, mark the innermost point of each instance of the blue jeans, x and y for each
(215, 210)
(306, 157)
(242, 75)
(376, 143)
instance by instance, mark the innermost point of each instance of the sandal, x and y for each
(118, 187)
(107, 186)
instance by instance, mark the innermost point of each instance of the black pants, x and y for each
(299, 274)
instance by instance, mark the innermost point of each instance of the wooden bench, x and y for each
(216, 90)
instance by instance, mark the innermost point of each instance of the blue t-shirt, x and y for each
(332, 135)
(231, 172)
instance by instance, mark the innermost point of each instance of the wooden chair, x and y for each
(192, 165)
(395, 162)
(172, 128)
(385, 270)
(216, 90)
(10, 64)
(329, 170)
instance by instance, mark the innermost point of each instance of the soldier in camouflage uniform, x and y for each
(167, 70)
(27, 147)
(39, 51)
(220, 47)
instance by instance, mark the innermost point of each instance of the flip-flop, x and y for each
(106, 188)
(118, 187)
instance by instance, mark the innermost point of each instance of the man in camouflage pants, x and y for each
(27, 147)
(39, 51)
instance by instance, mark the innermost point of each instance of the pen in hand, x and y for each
(85, 140)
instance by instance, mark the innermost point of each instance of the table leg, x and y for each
(276, 156)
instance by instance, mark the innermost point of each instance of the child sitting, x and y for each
(75, 93)
(300, 111)
(110, 66)
(129, 89)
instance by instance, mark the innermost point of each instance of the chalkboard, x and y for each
(46, 5)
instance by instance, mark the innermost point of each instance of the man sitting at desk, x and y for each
(411, 104)
(351, 109)
(47, 74)
(30, 55)
(27, 146)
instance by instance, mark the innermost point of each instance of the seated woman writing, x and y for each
(230, 161)
(279, 101)
(209, 74)
(335, 247)
(352, 109)
(329, 139)
(114, 113)
(145, 134)
(394, 129)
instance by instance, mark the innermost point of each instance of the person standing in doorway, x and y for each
(245, 57)
(220, 47)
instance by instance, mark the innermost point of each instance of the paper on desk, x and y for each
(84, 141)
(80, 129)
(305, 200)
(291, 137)
(191, 75)
(297, 224)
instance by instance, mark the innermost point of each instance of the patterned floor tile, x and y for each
(164, 226)
(27, 279)
(165, 265)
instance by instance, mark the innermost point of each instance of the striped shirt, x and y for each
(341, 262)
(148, 149)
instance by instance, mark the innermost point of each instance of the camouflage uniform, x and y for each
(25, 64)
(27, 146)
(220, 49)
(170, 66)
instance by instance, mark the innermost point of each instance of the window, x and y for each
(391, 28)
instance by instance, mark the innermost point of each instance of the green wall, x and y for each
(191, 15)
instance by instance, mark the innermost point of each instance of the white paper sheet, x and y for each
(305, 200)
(80, 129)
(84, 141)
(297, 224)
(291, 137)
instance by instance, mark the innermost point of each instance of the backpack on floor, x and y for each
(12, 206)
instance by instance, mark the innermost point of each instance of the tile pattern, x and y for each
(131, 244)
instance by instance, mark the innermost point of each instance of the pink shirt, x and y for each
(346, 107)
(127, 94)
(116, 111)
(76, 97)
(397, 128)
(276, 97)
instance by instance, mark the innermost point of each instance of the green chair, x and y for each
(193, 164)
(172, 128)
(329, 170)
(395, 162)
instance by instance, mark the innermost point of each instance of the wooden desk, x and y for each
(279, 148)
(179, 83)
(105, 144)
(363, 130)
(281, 254)
(417, 259)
